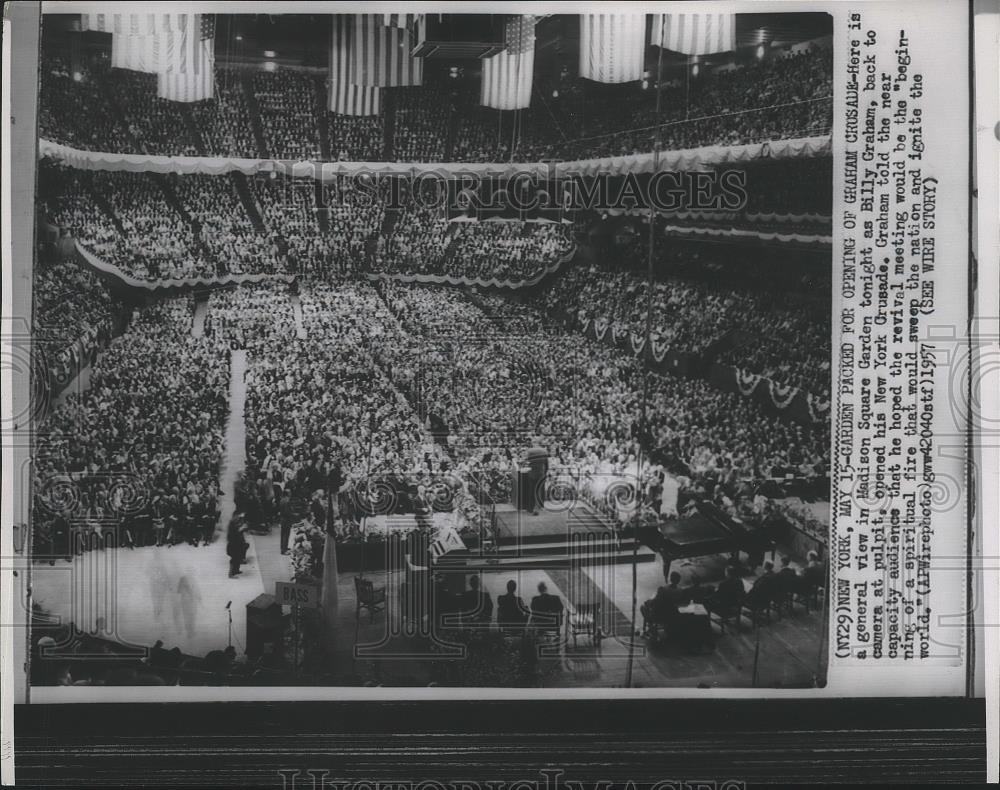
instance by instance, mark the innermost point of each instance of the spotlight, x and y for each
(555, 94)
(269, 65)
(77, 76)
(760, 51)
(694, 70)
(238, 37)
(645, 85)
(269, 53)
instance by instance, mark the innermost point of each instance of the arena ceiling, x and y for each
(303, 39)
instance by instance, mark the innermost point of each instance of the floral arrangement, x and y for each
(468, 516)
(307, 552)
(803, 517)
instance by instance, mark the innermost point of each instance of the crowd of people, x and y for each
(505, 250)
(423, 242)
(421, 125)
(497, 394)
(156, 124)
(355, 138)
(392, 386)
(777, 333)
(414, 244)
(224, 122)
(289, 114)
(252, 317)
(779, 97)
(74, 110)
(331, 233)
(69, 302)
(773, 99)
(125, 219)
(134, 459)
(418, 309)
(322, 413)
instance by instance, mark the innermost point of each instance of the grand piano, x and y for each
(707, 531)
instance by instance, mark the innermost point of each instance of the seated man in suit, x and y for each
(728, 595)
(477, 605)
(546, 609)
(673, 593)
(696, 592)
(788, 580)
(688, 630)
(511, 611)
(662, 609)
(766, 589)
(814, 574)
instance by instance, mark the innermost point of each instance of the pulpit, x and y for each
(521, 488)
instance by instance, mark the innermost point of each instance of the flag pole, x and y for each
(643, 427)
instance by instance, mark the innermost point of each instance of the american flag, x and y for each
(448, 540)
(507, 77)
(612, 47)
(138, 24)
(137, 53)
(186, 59)
(178, 48)
(346, 96)
(694, 34)
(380, 54)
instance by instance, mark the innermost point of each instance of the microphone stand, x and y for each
(368, 484)
(229, 611)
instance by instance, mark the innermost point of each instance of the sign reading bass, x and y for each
(289, 594)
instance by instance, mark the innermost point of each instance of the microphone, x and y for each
(229, 604)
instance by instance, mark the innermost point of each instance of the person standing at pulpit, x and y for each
(422, 509)
(537, 460)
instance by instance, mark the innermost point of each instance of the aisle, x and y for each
(177, 594)
(198, 323)
(300, 330)
(235, 453)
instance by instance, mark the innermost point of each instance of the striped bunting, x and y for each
(694, 34)
(346, 96)
(507, 77)
(612, 47)
(380, 54)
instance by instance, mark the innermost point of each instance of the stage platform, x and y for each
(555, 538)
(519, 526)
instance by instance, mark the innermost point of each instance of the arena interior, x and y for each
(250, 377)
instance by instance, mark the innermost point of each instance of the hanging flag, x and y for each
(507, 77)
(694, 34)
(612, 47)
(130, 24)
(448, 540)
(178, 48)
(346, 96)
(137, 53)
(186, 59)
(380, 54)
